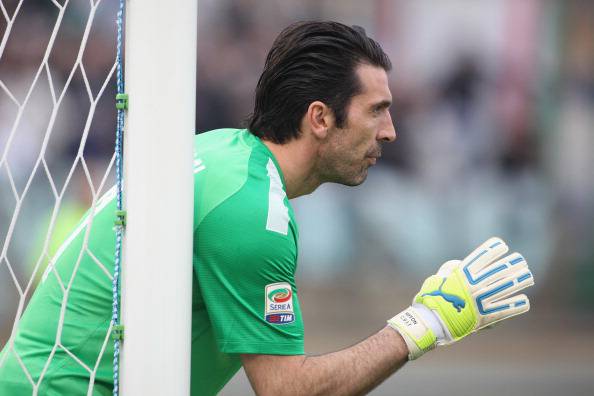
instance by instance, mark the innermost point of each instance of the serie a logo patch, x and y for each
(279, 303)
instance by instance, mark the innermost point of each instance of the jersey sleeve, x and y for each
(246, 276)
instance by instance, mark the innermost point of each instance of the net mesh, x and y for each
(57, 123)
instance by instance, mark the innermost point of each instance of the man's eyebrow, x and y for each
(382, 105)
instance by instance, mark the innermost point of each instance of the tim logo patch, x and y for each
(279, 303)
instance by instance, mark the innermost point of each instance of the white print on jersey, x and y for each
(278, 214)
(198, 165)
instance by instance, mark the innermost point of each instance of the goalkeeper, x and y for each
(321, 115)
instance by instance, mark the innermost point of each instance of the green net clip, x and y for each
(120, 218)
(117, 332)
(122, 101)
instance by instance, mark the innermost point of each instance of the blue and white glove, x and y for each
(464, 297)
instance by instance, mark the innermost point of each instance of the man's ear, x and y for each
(319, 118)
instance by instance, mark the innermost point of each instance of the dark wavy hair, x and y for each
(310, 61)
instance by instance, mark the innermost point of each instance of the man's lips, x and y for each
(373, 159)
(374, 155)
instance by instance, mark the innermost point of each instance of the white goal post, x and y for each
(160, 78)
(56, 75)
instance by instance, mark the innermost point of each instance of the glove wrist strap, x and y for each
(418, 336)
(433, 322)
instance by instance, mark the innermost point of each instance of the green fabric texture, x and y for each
(236, 254)
(86, 319)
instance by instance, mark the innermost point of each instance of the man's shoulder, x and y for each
(226, 152)
(224, 138)
(228, 155)
(216, 135)
(232, 166)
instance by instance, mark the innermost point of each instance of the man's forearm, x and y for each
(360, 368)
(352, 371)
(463, 297)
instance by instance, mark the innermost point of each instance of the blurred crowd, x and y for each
(493, 106)
(494, 110)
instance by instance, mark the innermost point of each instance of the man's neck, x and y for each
(297, 160)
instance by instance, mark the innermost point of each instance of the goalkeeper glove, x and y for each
(464, 297)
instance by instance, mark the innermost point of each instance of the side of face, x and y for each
(348, 152)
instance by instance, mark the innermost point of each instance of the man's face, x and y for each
(350, 151)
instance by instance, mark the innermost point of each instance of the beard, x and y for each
(339, 163)
(346, 168)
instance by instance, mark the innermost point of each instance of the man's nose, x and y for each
(387, 131)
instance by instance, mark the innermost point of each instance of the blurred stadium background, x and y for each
(494, 108)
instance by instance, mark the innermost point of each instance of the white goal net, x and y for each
(59, 271)
(57, 132)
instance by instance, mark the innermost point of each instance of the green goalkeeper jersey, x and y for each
(244, 294)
